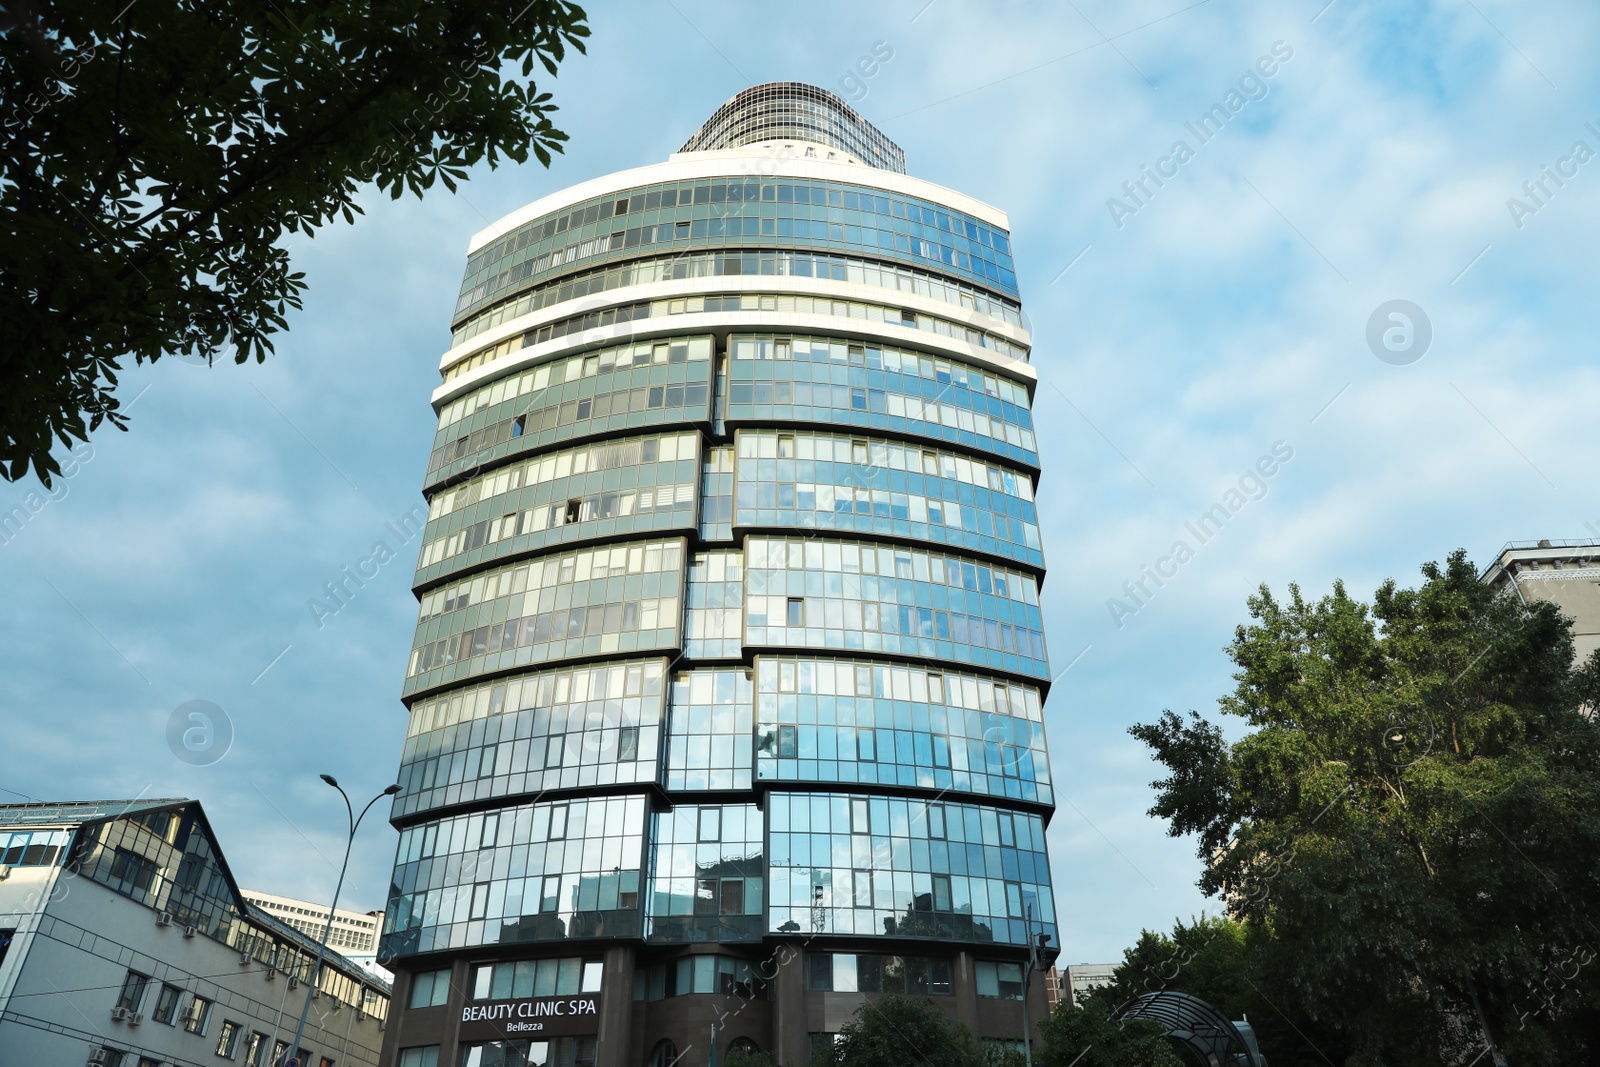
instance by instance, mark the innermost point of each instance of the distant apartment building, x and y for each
(1565, 573)
(354, 933)
(126, 942)
(1070, 983)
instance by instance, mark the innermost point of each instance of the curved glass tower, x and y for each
(725, 696)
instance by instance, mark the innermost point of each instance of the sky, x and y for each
(1182, 332)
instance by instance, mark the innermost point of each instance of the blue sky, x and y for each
(1226, 314)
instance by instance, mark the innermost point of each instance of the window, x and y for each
(819, 967)
(149, 1061)
(198, 1015)
(536, 978)
(429, 988)
(574, 508)
(796, 611)
(326, 1061)
(132, 994)
(167, 1005)
(519, 424)
(869, 973)
(280, 1053)
(1002, 980)
(786, 446)
(255, 1050)
(710, 824)
(628, 743)
(113, 1057)
(228, 1039)
(425, 1056)
(665, 1054)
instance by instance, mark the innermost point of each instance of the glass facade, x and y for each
(566, 728)
(729, 632)
(828, 481)
(873, 866)
(812, 593)
(703, 215)
(795, 111)
(853, 269)
(523, 872)
(635, 485)
(809, 379)
(619, 388)
(825, 720)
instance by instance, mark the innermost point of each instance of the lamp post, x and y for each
(322, 944)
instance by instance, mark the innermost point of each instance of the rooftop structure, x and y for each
(779, 112)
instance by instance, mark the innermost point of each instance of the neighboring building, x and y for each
(353, 933)
(1077, 979)
(726, 690)
(1566, 573)
(125, 942)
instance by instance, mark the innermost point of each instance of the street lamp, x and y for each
(322, 944)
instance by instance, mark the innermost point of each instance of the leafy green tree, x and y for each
(153, 155)
(1083, 1035)
(898, 1031)
(738, 1057)
(1229, 964)
(1414, 814)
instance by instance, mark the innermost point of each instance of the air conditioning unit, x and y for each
(188, 931)
(164, 918)
(97, 1057)
(118, 1013)
(5, 871)
(136, 1018)
(294, 983)
(245, 958)
(272, 972)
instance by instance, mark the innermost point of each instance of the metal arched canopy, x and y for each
(1197, 1026)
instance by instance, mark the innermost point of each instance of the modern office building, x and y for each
(1565, 573)
(125, 942)
(726, 691)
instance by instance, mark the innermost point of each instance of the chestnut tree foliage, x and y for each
(156, 153)
(1411, 821)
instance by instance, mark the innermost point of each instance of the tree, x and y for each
(1414, 815)
(1083, 1035)
(738, 1057)
(895, 1031)
(155, 154)
(1228, 964)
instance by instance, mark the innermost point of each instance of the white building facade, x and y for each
(125, 942)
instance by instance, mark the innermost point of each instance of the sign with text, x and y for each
(532, 1018)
